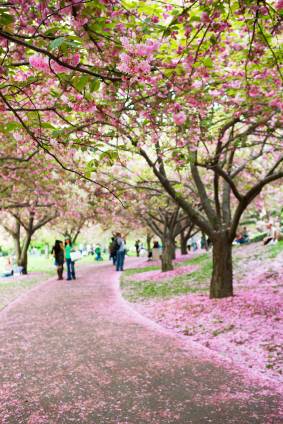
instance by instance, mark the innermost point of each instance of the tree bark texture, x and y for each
(167, 256)
(184, 249)
(221, 284)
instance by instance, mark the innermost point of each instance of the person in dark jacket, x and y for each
(113, 247)
(59, 255)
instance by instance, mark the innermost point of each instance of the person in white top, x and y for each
(273, 234)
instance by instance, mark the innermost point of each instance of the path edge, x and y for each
(204, 352)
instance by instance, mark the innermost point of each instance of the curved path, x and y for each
(76, 353)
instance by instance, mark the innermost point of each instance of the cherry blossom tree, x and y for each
(36, 194)
(194, 83)
(213, 108)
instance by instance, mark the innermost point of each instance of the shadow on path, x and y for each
(73, 352)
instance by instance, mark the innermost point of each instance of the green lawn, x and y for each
(275, 249)
(196, 281)
(40, 269)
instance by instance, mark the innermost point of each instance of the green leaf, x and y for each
(11, 126)
(5, 18)
(47, 125)
(207, 62)
(112, 155)
(213, 39)
(55, 44)
(94, 85)
(80, 82)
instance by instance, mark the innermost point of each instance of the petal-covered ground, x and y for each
(75, 352)
(157, 275)
(247, 329)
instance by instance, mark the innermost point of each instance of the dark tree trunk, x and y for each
(17, 246)
(23, 260)
(173, 250)
(221, 284)
(167, 256)
(74, 239)
(184, 249)
(148, 242)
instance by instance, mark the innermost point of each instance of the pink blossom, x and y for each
(254, 91)
(144, 67)
(179, 118)
(276, 103)
(56, 67)
(204, 17)
(75, 60)
(155, 19)
(279, 5)
(39, 62)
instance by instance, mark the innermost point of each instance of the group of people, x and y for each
(152, 254)
(117, 251)
(63, 254)
(242, 236)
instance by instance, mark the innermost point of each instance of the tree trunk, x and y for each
(167, 256)
(74, 239)
(184, 249)
(23, 260)
(173, 250)
(221, 284)
(148, 242)
(17, 246)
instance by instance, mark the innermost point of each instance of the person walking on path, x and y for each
(59, 255)
(120, 253)
(98, 256)
(70, 264)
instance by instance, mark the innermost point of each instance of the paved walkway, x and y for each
(76, 353)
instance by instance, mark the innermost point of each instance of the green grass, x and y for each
(40, 269)
(46, 265)
(41, 264)
(132, 271)
(193, 282)
(275, 249)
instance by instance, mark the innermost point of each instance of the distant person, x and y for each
(242, 236)
(155, 251)
(97, 252)
(246, 236)
(59, 255)
(143, 251)
(203, 242)
(70, 264)
(121, 251)
(8, 268)
(113, 247)
(273, 234)
(137, 246)
(194, 244)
